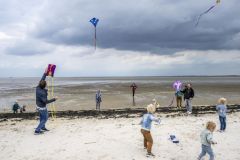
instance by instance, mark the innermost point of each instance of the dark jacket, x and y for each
(15, 107)
(41, 95)
(188, 93)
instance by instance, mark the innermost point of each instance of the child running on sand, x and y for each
(146, 127)
(207, 141)
(222, 112)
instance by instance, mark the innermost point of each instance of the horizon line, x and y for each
(130, 76)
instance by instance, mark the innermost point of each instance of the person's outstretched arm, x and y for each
(44, 75)
(155, 119)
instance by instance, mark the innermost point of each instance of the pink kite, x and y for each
(51, 70)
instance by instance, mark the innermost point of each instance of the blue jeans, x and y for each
(222, 123)
(208, 150)
(43, 119)
(188, 105)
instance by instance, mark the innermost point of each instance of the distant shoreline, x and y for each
(136, 76)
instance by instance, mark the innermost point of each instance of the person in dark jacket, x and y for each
(42, 101)
(188, 96)
(15, 107)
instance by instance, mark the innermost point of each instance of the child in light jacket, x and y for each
(146, 127)
(222, 112)
(207, 141)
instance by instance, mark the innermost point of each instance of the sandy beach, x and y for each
(79, 93)
(120, 138)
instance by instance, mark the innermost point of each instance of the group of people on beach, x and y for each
(147, 119)
(206, 135)
(188, 94)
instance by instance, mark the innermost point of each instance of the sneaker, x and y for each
(150, 155)
(38, 132)
(45, 129)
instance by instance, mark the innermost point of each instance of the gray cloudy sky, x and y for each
(135, 37)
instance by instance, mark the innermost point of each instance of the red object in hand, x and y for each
(51, 69)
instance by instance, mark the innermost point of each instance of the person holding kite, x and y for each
(177, 85)
(188, 96)
(42, 101)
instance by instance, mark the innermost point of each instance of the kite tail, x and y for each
(51, 95)
(53, 105)
(170, 105)
(199, 17)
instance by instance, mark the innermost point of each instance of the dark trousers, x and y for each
(222, 123)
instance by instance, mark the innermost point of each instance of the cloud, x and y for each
(29, 47)
(83, 61)
(137, 37)
(156, 26)
(163, 26)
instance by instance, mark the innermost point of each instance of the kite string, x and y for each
(50, 90)
(199, 17)
(170, 105)
(54, 109)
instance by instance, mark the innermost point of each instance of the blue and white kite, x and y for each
(94, 21)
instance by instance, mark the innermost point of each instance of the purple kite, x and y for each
(51, 69)
(177, 85)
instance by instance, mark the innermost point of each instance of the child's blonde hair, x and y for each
(222, 100)
(211, 126)
(151, 108)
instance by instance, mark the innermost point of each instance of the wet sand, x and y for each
(79, 94)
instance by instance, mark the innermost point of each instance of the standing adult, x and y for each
(134, 87)
(177, 85)
(188, 96)
(15, 107)
(98, 99)
(42, 101)
(179, 95)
